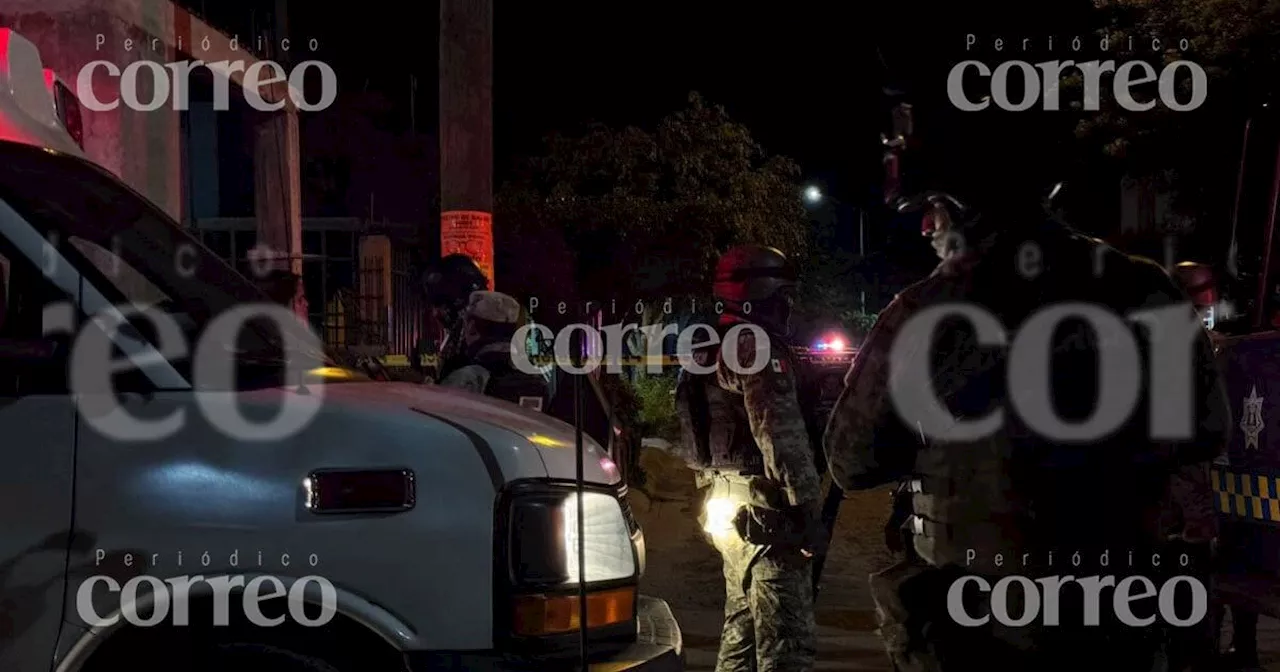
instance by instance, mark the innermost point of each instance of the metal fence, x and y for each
(408, 320)
(385, 313)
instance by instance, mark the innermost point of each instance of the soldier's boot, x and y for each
(1243, 655)
(898, 617)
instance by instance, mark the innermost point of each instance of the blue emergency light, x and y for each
(830, 344)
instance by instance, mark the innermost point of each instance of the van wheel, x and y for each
(246, 657)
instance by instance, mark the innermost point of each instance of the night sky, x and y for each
(804, 77)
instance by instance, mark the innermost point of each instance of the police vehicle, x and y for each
(1246, 480)
(823, 366)
(457, 532)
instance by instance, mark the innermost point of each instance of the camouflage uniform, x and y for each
(1013, 492)
(448, 285)
(486, 367)
(769, 620)
(474, 377)
(1192, 515)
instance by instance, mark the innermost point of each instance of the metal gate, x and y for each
(385, 313)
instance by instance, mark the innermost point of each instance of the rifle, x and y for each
(895, 538)
(830, 511)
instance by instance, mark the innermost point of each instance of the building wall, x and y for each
(142, 148)
(150, 151)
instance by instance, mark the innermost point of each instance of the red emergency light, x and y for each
(66, 106)
(832, 344)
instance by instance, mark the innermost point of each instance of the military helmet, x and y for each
(1198, 282)
(450, 281)
(752, 273)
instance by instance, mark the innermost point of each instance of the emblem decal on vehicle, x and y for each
(1252, 423)
(534, 403)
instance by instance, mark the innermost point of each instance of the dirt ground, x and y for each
(684, 569)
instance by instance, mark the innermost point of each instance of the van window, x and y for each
(4, 288)
(30, 362)
(135, 287)
(134, 253)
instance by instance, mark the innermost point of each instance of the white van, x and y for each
(425, 529)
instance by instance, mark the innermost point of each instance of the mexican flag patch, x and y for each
(779, 366)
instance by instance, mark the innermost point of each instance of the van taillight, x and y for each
(69, 112)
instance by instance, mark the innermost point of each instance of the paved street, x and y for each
(685, 570)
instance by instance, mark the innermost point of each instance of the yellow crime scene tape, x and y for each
(1247, 495)
(429, 361)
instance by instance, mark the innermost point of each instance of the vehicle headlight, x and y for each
(544, 539)
(541, 535)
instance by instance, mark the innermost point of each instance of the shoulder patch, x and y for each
(779, 365)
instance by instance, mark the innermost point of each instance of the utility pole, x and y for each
(278, 190)
(466, 130)
(862, 240)
(862, 250)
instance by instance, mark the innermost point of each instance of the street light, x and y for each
(813, 196)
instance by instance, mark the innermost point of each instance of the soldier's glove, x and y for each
(813, 534)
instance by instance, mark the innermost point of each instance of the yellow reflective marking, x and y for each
(1237, 495)
(547, 441)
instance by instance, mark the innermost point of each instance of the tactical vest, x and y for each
(451, 355)
(1014, 492)
(715, 430)
(511, 384)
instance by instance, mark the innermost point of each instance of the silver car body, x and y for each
(75, 503)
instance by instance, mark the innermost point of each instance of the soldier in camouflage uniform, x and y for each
(448, 285)
(490, 321)
(1014, 492)
(750, 442)
(1191, 518)
(1193, 514)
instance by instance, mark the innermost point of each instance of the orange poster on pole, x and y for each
(469, 232)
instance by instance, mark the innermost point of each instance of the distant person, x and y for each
(1192, 517)
(448, 285)
(489, 322)
(1198, 281)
